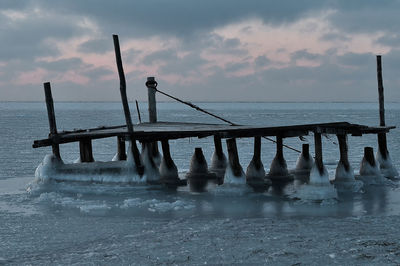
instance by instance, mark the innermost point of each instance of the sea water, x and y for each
(98, 223)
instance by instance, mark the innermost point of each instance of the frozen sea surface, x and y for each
(79, 223)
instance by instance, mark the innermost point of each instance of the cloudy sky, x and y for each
(213, 50)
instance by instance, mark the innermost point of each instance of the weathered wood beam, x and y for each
(124, 98)
(382, 142)
(52, 118)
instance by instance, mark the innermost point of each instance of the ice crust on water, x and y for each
(386, 166)
(319, 187)
(344, 180)
(154, 205)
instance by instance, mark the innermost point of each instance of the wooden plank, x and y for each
(382, 142)
(234, 157)
(165, 130)
(121, 153)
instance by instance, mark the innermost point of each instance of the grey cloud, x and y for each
(163, 55)
(185, 65)
(98, 46)
(233, 67)
(353, 59)
(261, 61)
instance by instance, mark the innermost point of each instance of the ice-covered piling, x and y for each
(369, 169)
(85, 151)
(383, 157)
(234, 172)
(218, 160)
(151, 85)
(278, 170)
(255, 173)
(52, 117)
(168, 169)
(151, 169)
(121, 150)
(344, 176)
(198, 174)
(305, 161)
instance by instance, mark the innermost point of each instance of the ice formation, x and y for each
(386, 166)
(319, 187)
(218, 165)
(344, 179)
(230, 177)
(370, 174)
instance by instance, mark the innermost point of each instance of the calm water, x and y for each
(68, 223)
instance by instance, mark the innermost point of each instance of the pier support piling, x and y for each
(121, 153)
(255, 172)
(305, 161)
(234, 163)
(278, 169)
(318, 153)
(85, 150)
(52, 117)
(198, 174)
(344, 158)
(218, 160)
(168, 169)
(124, 98)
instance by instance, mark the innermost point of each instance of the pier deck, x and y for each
(158, 131)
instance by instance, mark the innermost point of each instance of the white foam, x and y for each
(386, 166)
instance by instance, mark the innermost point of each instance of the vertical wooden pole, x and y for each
(369, 155)
(279, 148)
(166, 154)
(234, 157)
(344, 159)
(305, 150)
(138, 111)
(86, 152)
(382, 143)
(257, 152)
(218, 147)
(121, 149)
(318, 152)
(135, 151)
(151, 85)
(52, 117)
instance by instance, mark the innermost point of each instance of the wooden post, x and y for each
(121, 149)
(218, 147)
(135, 151)
(52, 117)
(166, 154)
(344, 159)
(138, 111)
(382, 143)
(318, 152)
(151, 85)
(369, 155)
(305, 150)
(234, 157)
(279, 148)
(257, 152)
(86, 153)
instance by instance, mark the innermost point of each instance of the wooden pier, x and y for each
(149, 133)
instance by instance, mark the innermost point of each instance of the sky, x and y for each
(208, 50)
